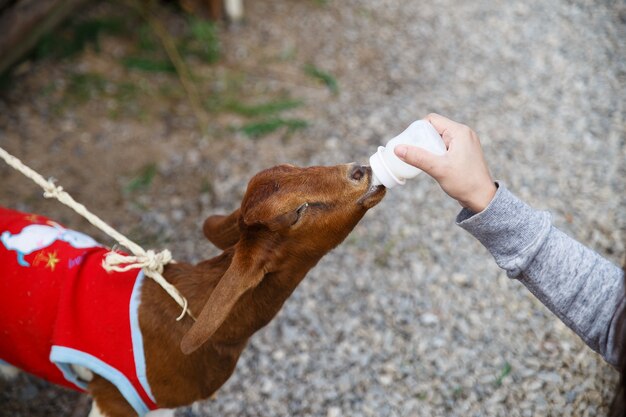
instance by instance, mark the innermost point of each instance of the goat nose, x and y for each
(357, 172)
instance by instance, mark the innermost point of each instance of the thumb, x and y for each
(418, 157)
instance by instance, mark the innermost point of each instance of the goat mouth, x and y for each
(372, 196)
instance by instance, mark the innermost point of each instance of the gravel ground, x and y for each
(410, 316)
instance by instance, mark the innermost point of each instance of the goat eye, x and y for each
(299, 212)
(302, 208)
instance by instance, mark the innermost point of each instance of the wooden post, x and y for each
(25, 22)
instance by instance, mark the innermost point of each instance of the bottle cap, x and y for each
(381, 171)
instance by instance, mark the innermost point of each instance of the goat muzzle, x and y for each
(374, 193)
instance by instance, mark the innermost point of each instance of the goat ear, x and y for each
(242, 275)
(223, 231)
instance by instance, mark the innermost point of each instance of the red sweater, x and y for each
(59, 307)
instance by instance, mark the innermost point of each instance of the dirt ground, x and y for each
(325, 82)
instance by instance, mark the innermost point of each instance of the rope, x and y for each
(152, 263)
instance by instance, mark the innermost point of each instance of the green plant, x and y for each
(176, 64)
(206, 187)
(126, 91)
(506, 369)
(143, 179)
(205, 39)
(83, 87)
(265, 127)
(261, 109)
(74, 37)
(146, 40)
(148, 64)
(322, 76)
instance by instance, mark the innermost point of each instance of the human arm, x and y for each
(580, 287)
(583, 289)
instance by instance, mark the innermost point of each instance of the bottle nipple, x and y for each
(388, 169)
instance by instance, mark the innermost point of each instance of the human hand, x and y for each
(462, 171)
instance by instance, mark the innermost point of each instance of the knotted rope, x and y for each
(151, 262)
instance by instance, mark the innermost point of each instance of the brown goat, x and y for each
(289, 218)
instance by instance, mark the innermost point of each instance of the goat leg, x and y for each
(108, 400)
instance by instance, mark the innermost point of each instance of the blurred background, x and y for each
(156, 114)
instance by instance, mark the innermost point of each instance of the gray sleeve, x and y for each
(583, 289)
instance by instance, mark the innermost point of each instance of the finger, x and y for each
(443, 126)
(418, 157)
(440, 123)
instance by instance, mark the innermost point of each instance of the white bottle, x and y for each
(388, 169)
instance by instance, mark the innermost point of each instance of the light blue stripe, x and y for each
(137, 338)
(69, 374)
(63, 357)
